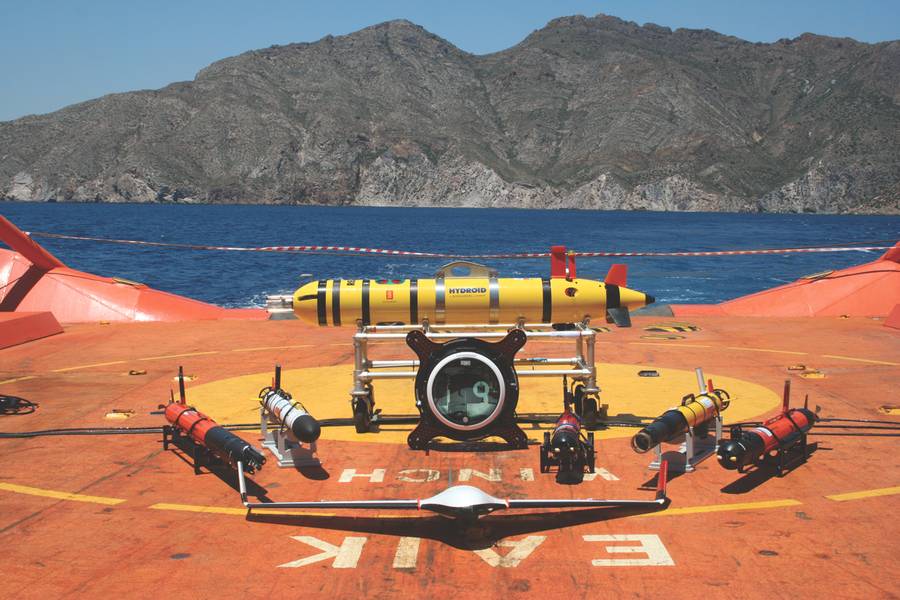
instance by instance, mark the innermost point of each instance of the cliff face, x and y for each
(590, 113)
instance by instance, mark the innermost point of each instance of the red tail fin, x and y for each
(618, 275)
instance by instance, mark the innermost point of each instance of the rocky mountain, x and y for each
(593, 113)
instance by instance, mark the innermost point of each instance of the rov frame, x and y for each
(581, 367)
(200, 455)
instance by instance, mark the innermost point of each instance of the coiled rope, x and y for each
(354, 250)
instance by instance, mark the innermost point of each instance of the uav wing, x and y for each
(458, 501)
(345, 504)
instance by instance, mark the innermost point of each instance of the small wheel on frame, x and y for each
(361, 418)
(578, 399)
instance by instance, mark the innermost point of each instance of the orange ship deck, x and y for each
(116, 515)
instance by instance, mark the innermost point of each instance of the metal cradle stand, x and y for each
(200, 456)
(287, 450)
(581, 368)
(696, 448)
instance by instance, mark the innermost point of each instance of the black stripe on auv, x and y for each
(320, 302)
(547, 311)
(366, 310)
(336, 302)
(613, 299)
(413, 301)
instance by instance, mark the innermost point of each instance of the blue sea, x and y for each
(244, 278)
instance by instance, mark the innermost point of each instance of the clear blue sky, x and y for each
(57, 52)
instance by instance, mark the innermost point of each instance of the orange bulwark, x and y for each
(868, 290)
(33, 280)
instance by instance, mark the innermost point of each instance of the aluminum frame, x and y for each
(366, 371)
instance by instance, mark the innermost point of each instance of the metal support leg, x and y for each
(286, 449)
(242, 482)
(360, 364)
(657, 458)
(195, 455)
(360, 396)
(280, 442)
(590, 358)
(689, 449)
(719, 426)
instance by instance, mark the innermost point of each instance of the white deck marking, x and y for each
(423, 475)
(651, 545)
(346, 556)
(521, 550)
(602, 473)
(491, 475)
(407, 553)
(376, 476)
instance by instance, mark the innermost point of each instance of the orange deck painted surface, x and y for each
(792, 541)
(871, 289)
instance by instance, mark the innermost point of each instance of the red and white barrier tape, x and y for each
(353, 250)
(739, 252)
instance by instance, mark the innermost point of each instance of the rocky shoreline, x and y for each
(586, 113)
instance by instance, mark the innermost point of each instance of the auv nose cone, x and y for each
(729, 455)
(307, 429)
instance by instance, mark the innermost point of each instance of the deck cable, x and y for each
(337, 422)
